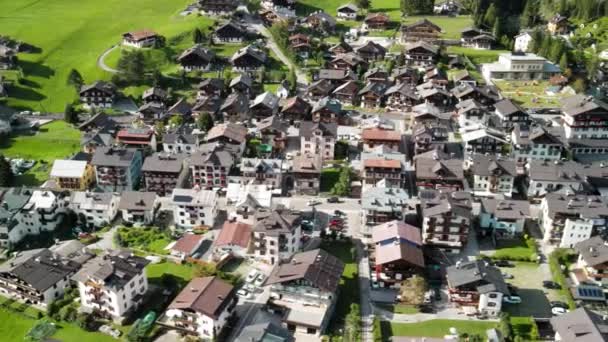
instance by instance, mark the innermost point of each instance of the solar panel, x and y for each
(182, 198)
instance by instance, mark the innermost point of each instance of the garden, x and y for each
(148, 239)
(530, 94)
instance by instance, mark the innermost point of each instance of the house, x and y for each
(519, 66)
(210, 87)
(429, 137)
(242, 83)
(72, 174)
(306, 171)
(180, 108)
(283, 9)
(580, 325)
(372, 95)
(535, 143)
(117, 169)
(447, 7)
(263, 171)
(485, 140)
(446, 219)
(154, 94)
(272, 132)
(421, 54)
(427, 113)
(138, 207)
(376, 75)
(558, 25)
(321, 22)
(319, 89)
(385, 169)
(140, 138)
(194, 208)
(348, 61)
(592, 263)
(318, 139)
(198, 58)
(99, 94)
(140, 39)
(584, 117)
(264, 327)
(373, 137)
(264, 105)
(209, 167)
(476, 38)
(99, 122)
(340, 48)
(228, 134)
(522, 42)
(478, 285)
(493, 175)
(336, 76)
(249, 58)
(235, 108)
(187, 245)
(163, 172)
(569, 219)
(39, 276)
(152, 112)
(503, 218)
(218, 7)
(300, 44)
(234, 238)
(295, 109)
(231, 32)
(327, 110)
(112, 284)
(181, 140)
(8, 57)
(13, 202)
(402, 96)
(276, 234)
(305, 291)
(94, 209)
(471, 113)
(405, 74)
(464, 77)
(371, 51)
(347, 93)
(397, 253)
(202, 308)
(377, 21)
(422, 30)
(347, 12)
(510, 113)
(380, 204)
(563, 177)
(433, 172)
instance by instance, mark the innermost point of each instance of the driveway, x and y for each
(106, 240)
(101, 60)
(528, 278)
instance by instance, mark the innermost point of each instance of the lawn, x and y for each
(149, 239)
(329, 177)
(402, 309)
(450, 26)
(155, 271)
(530, 93)
(435, 328)
(475, 55)
(524, 327)
(81, 31)
(516, 249)
(64, 139)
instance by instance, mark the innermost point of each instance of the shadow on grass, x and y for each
(27, 94)
(36, 69)
(306, 9)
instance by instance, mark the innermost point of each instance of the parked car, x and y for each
(244, 294)
(312, 203)
(558, 304)
(503, 263)
(259, 281)
(426, 309)
(549, 284)
(339, 213)
(251, 276)
(507, 275)
(336, 222)
(512, 299)
(557, 311)
(333, 200)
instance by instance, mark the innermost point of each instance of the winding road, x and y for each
(101, 60)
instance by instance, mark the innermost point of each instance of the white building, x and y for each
(202, 308)
(263, 171)
(562, 177)
(584, 117)
(193, 207)
(347, 12)
(493, 175)
(276, 235)
(522, 42)
(520, 66)
(138, 207)
(140, 39)
(94, 209)
(569, 219)
(318, 139)
(537, 143)
(113, 283)
(504, 217)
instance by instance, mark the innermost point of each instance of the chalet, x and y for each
(337, 76)
(154, 94)
(327, 110)
(306, 172)
(421, 54)
(151, 112)
(340, 48)
(230, 32)
(428, 113)
(242, 83)
(476, 38)
(470, 112)
(347, 12)
(463, 77)
(405, 75)
(217, 7)
(485, 140)
(376, 75)
(377, 21)
(402, 96)
(510, 113)
(387, 169)
(137, 137)
(397, 253)
(435, 173)
(249, 58)
(372, 95)
(429, 137)
(283, 9)
(92, 140)
(536, 142)
(320, 89)
(181, 140)
(264, 105)
(235, 108)
(321, 21)
(456, 62)
(371, 51)
(347, 61)
(199, 58)
(558, 25)
(478, 285)
(99, 122)
(295, 109)
(389, 139)
(99, 94)
(228, 134)
(422, 30)
(493, 175)
(210, 87)
(436, 77)
(318, 139)
(347, 93)
(446, 219)
(140, 39)
(300, 44)
(210, 105)
(584, 117)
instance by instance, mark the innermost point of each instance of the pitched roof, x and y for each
(382, 163)
(109, 156)
(68, 168)
(229, 130)
(199, 51)
(492, 165)
(141, 34)
(164, 162)
(580, 325)
(396, 229)
(234, 233)
(136, 200)
(208, 295)
(187, 243)
(580, 103)
(507, 107)
(506, 209)
(380, 134)
(318, 267)
(327, 129)
(486, 278)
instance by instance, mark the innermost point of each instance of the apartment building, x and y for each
(446, 219)
(584, 117)
(72, 174)
(535, 143)
(318, 139)
(209, 167)
(503, 218)
(138, 207)
(276, 234)
(117, 169)
(382, 204)
(194, 207)
(493, 175)
(263, 171)
(560, 176)
(94, 209)
(164, 172)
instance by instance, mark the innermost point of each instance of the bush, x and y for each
(377, 330)
(557, 258)
(86, 321)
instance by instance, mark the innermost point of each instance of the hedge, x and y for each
(558, 258)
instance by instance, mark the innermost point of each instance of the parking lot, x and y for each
(528, 278)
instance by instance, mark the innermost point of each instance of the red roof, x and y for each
(234, 233)
(187, 243)
(388, 163)
(126, 133)
(381, 134)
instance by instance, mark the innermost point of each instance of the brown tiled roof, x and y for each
(318, 267)
(396, 229)
(187, 243)
(229, 130)
(381, 134)
(208, 296)
(392, 163)
(140, 35)
(234, 233)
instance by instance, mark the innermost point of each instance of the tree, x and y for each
(69, 114)
(75, 79)
(204, 270)
(579, 85)
(490, 18)
(6, 172)
(413, 290)
(342, 186)
(412, 7)
(363, 4)
(563, 62)
(528, 17)
(205, 122)
(505, 325)
(293, 81)
(176, 121)
(352, 324)
(85, 321)
(131, 67)
(497, 29)
(197, 36)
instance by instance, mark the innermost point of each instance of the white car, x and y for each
(557, 311)
(512, 299)
(259, 281)
(507, 275)
(288, 156)
(252, 275)
(245, 294)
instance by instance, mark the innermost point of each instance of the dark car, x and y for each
(338, 213)
(558, 304)
(333, 200)
(503, 263)
(426, 309)
(551, 285)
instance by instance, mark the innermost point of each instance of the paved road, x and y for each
(101, 60)
(106, 241)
